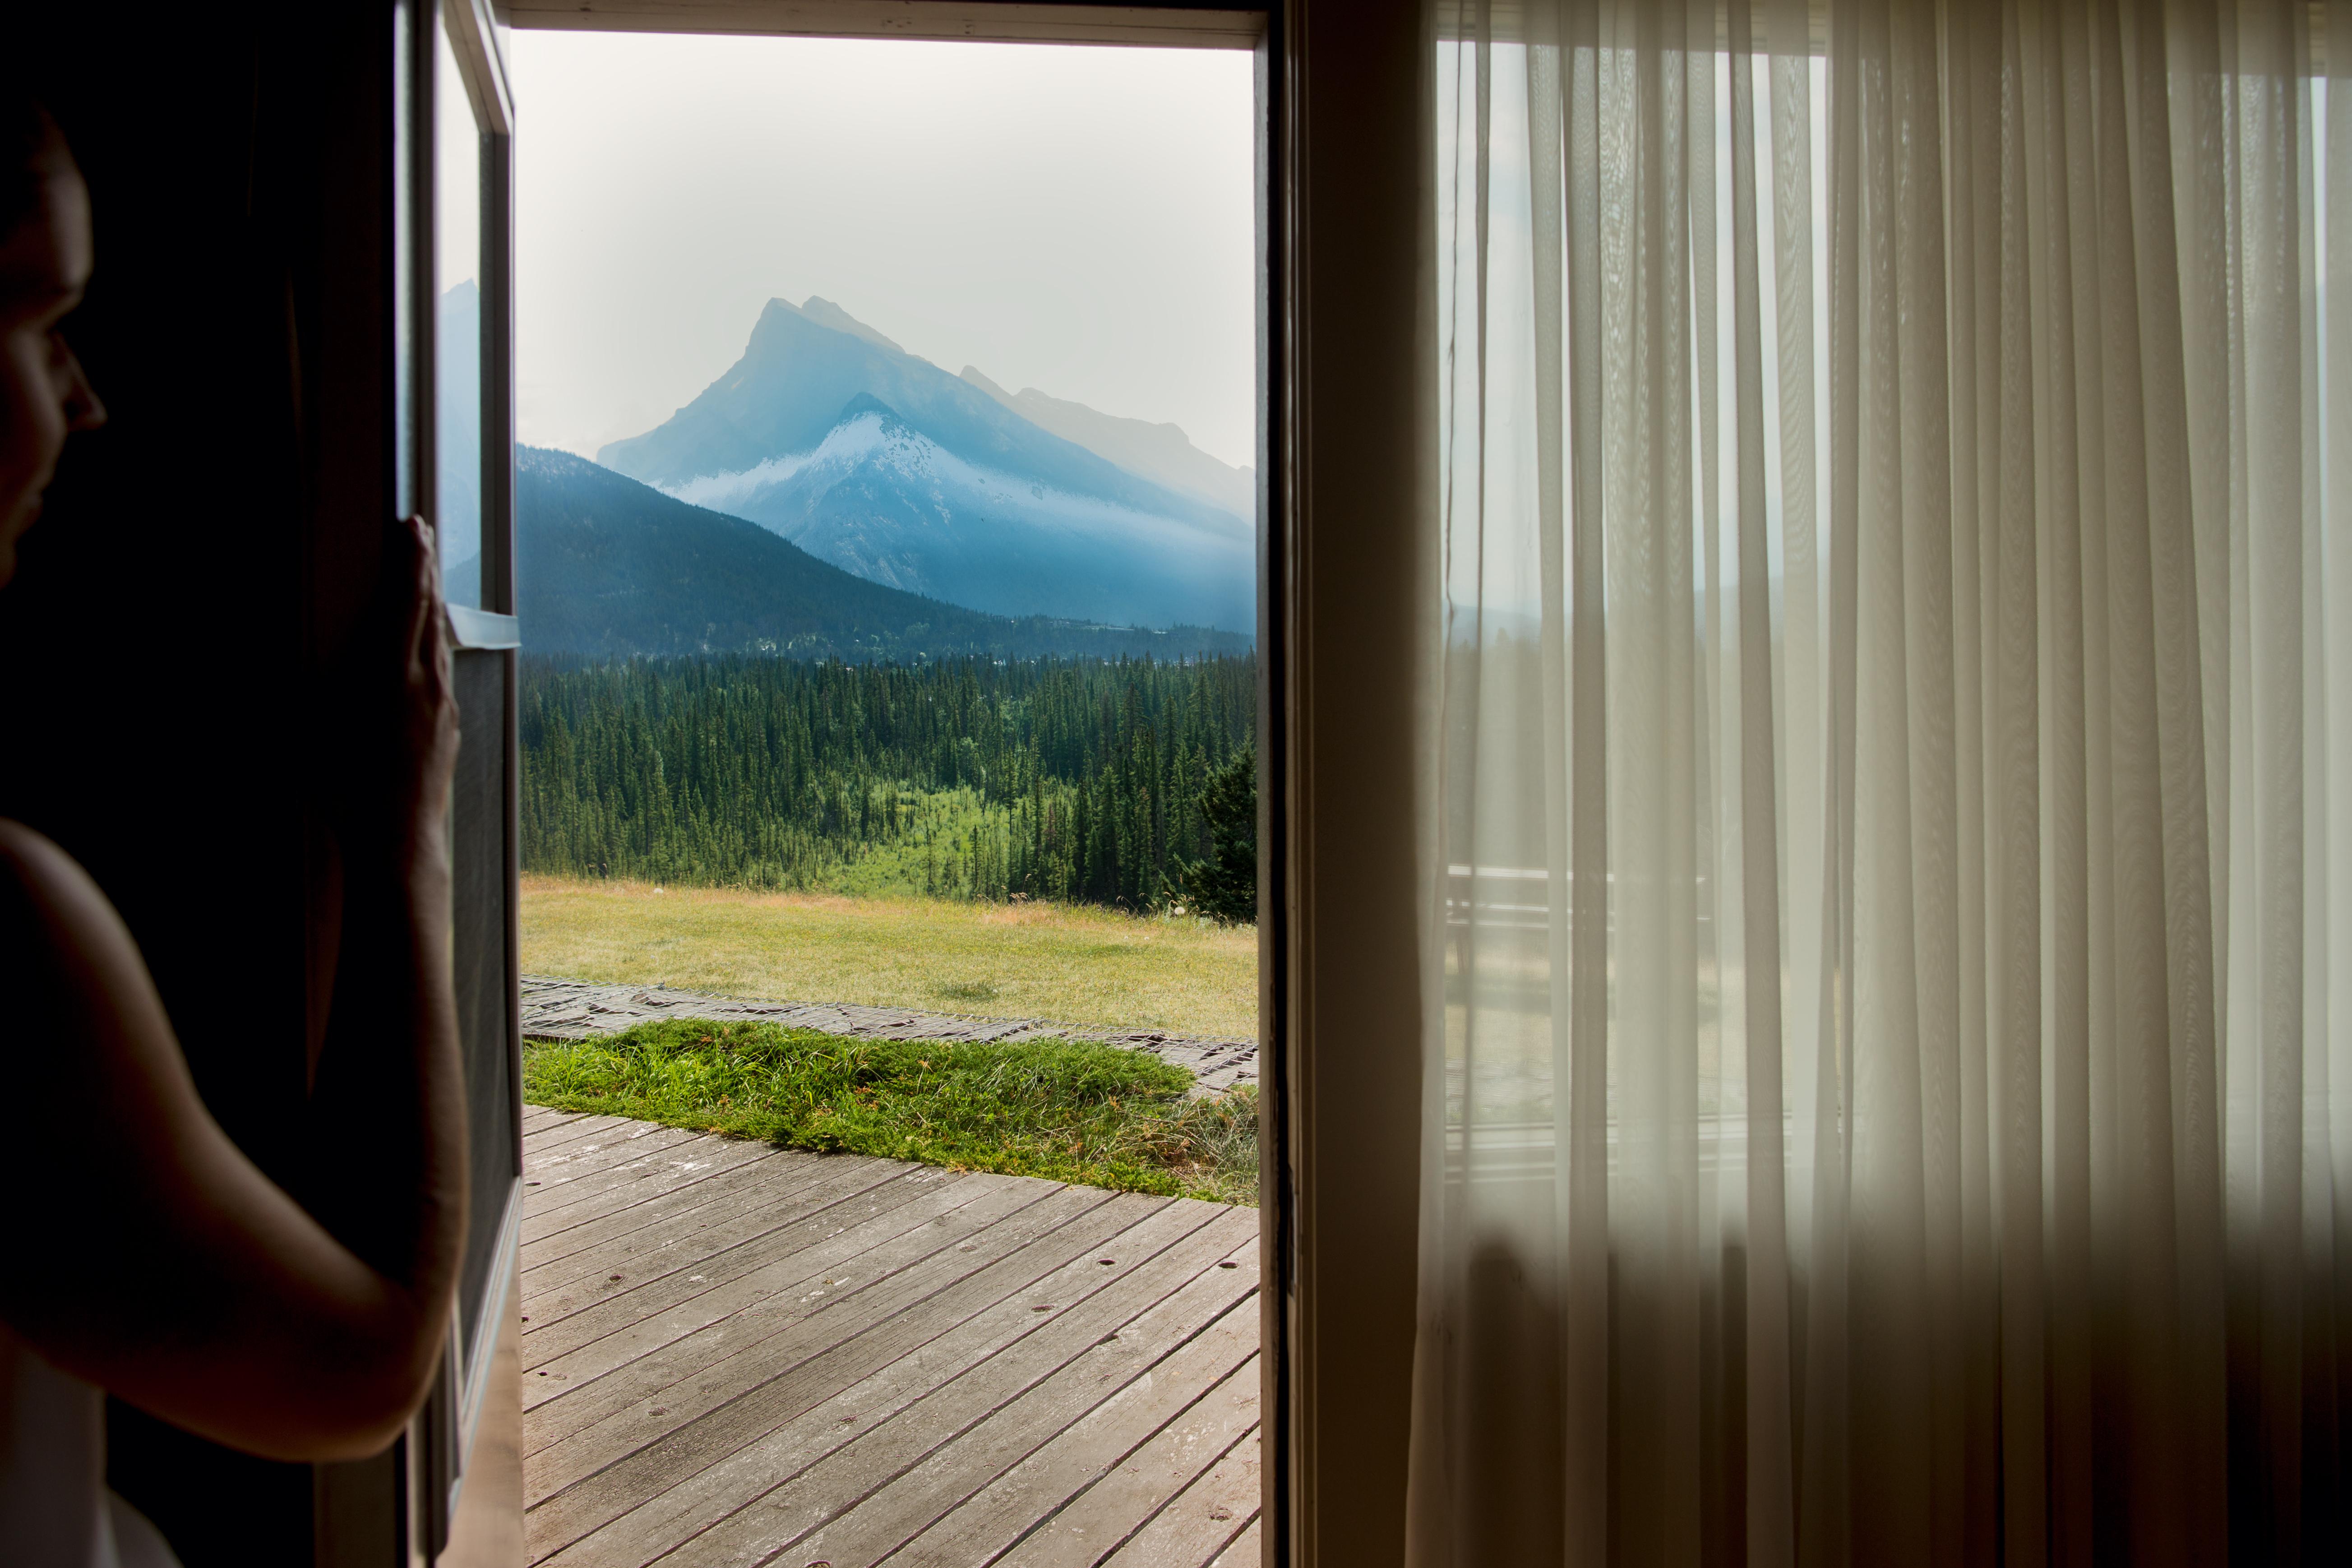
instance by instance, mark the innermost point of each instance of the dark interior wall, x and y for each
(160, 639)
(148, 633)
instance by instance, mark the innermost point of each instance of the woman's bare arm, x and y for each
(148, 1255)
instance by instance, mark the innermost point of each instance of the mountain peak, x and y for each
(825, 314)
(801, 435)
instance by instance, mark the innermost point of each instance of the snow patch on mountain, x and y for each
(845, 443)
(882, 500)
(872, 437)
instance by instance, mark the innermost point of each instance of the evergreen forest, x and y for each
(1128, 783)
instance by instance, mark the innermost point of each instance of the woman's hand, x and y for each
(394, 806)
(301, 1330)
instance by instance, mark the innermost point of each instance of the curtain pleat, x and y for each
(1894, 742)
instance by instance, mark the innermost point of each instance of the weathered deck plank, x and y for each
(566, 1163)
(1202, 1521)
(846, 1247)
(1121, 1496)
(686, 1443)
(836, 1358)
(868, 1467)
(1083, 1453)
(576, 1127)
(738, 1185)
(1245, 1552)
(1008, 1435)
(731, 1406)
(692, 1225)
(711, 1249)
(780, 1487)
(647, 1174)
(570, 1176)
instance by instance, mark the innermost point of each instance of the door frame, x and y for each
(486, 635)
(1341, 194)
(402, 1507)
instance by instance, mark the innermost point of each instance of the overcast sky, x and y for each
(1073, 219)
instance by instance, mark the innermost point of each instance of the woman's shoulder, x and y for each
(35, 866)
(47, 900)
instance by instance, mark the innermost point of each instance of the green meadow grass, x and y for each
(1069, 962)
(1070, 1111)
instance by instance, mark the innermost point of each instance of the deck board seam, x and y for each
(1111, 1468)
(624, 1159)
(1010, 1398)
(548, 1121)
(816, 1398)
(617, 1148)
(727, 1193)
(883, 1178)
(613, 1189)
(577, 1129)
(938, 1512)
(736, 1398)
(1241, 1523)
(572, 1119)
(617, 1197)
(842, 1265)
(1209, 1386)
(820, 1447)
(728, 1190)
(693, 1179)
(1077, 1420)
(542, 1145)
(663, 1237)
(542, 1198)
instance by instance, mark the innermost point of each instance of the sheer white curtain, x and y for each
(1888, 1097)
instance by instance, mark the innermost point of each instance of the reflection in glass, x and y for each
(457, 341)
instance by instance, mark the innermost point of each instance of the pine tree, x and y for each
(1223, 887)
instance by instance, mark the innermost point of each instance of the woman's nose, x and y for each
(83, 409)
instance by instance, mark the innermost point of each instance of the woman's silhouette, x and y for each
(148, 1257)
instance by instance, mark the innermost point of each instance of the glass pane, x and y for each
(477, 862)
(458, 340)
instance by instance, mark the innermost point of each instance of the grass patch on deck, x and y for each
(1071, 1110)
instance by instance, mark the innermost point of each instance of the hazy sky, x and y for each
(1073, 219)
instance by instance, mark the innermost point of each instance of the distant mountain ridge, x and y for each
(605, 566)
(1160, 453)
(881, 463)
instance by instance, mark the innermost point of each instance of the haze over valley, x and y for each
(606, 567)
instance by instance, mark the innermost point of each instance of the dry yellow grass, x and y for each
(1044, 961)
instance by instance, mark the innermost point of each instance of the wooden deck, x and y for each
(734, 1354)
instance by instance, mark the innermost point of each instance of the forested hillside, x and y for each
(1080, 780)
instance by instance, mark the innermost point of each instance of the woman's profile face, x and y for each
(45, 261)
